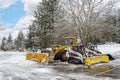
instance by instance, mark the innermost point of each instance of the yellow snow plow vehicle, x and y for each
(70, 52)
(60, 50)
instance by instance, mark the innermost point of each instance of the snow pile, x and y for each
(114, 50)
(109, 48)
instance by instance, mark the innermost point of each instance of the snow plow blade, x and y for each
(110, 57)
(96, 59)
(39, 57)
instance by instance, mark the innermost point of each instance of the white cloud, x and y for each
(23, 23)
(15, 33)
(5, 30)
(30, 6)
(6, 3)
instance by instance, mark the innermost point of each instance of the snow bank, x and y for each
(109, 48)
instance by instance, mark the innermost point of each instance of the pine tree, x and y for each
(10, 45)
(31, 36)
(20, 41)
(4, 44)
(43, 24)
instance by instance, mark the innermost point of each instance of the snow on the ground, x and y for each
(113, 49)
(14, 66)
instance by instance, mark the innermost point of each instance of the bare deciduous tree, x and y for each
(87, 15)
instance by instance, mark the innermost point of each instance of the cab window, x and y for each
(68, 42)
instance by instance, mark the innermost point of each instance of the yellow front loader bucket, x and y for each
(96, 59)
(39, 57)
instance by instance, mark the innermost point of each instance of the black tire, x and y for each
(73, 60)
(63, 57)
(60, 56)
(56, 57)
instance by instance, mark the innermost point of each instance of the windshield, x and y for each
(68, 42)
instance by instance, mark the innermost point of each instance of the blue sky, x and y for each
(16, 15)
(13, 13)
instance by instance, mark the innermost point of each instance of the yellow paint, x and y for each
(57, 48)
(96, 59)
(39, 57)
(42, 57)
